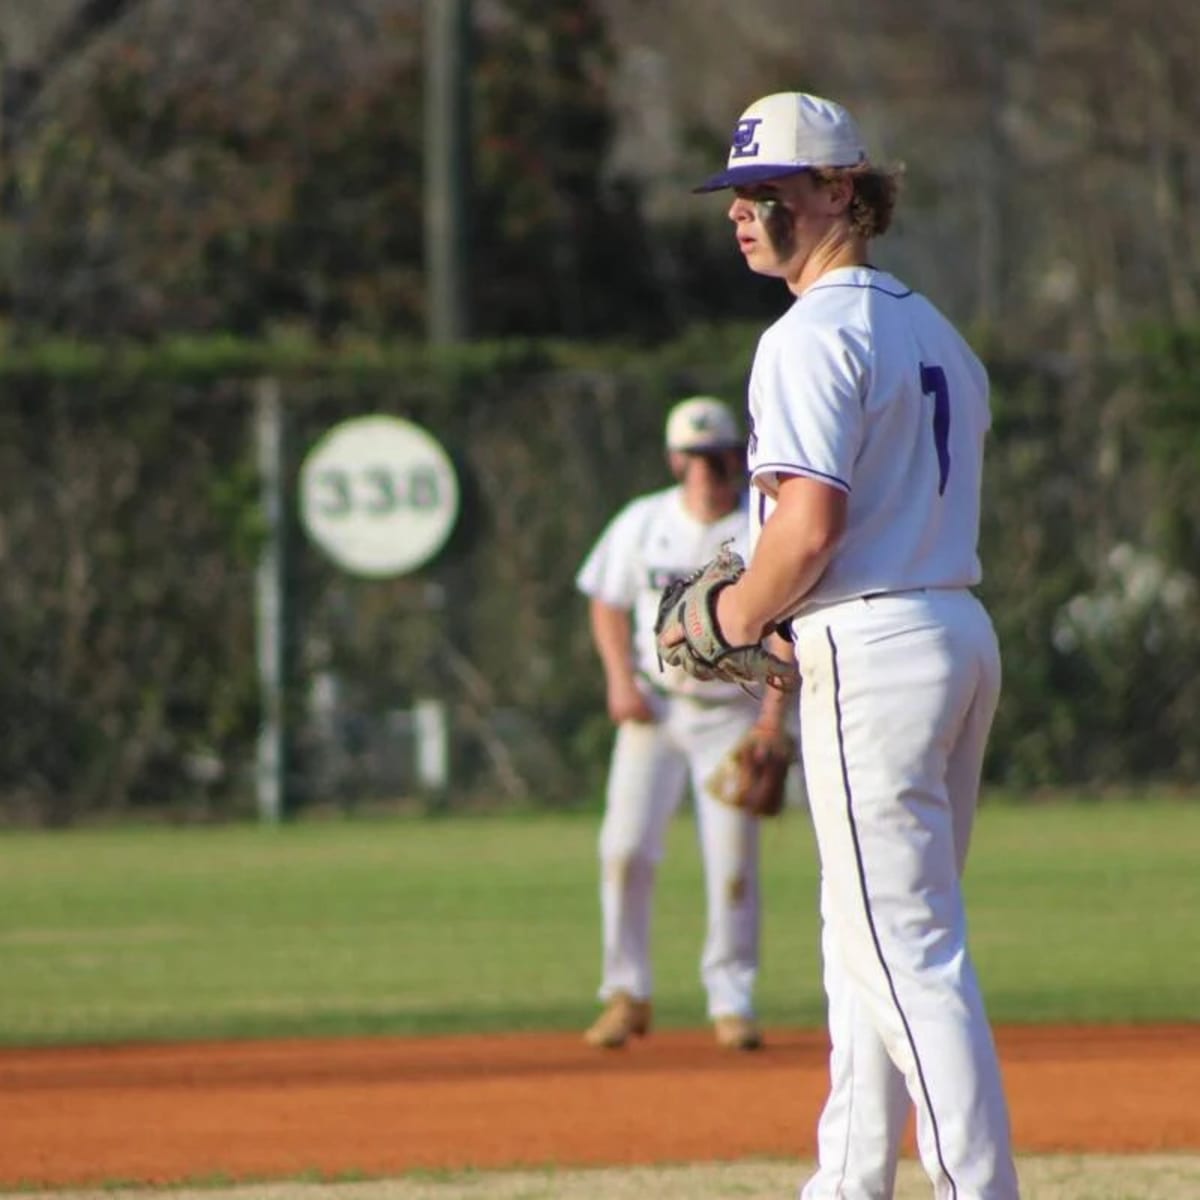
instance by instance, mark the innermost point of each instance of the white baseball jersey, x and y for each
(650, 542)
(864, 385)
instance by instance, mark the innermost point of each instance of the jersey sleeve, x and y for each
(609, 573)
(807, 407)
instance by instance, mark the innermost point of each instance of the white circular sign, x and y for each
(379, 495)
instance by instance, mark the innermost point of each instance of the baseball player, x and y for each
(672, 729)
(868, 416)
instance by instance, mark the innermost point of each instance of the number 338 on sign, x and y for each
(379, 495)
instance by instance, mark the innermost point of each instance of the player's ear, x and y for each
(837, 187)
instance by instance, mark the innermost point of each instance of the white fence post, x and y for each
(271, 604)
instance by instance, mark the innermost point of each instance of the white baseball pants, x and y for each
(649, 771)
(898, 696)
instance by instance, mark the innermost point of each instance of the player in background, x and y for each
(672, 730)
(868, 415)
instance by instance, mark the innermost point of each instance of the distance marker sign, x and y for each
(379, 495)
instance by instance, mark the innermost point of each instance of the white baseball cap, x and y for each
(785, 133)
(702, 423)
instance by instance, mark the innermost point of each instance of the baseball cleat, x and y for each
(737, 1033)
(623, 1017)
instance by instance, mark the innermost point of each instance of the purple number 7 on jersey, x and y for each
(933, 383)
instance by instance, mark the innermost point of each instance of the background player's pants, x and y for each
(899, 693)
(650, 769)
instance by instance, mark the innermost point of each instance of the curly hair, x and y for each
(874, 199)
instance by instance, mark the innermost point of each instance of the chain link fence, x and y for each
(132, 535)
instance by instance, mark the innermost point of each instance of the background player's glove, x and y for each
(688, 636)
(753, 776)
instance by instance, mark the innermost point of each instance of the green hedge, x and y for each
(131, 530)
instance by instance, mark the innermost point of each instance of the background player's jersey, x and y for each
(865, 386)
(650, 542)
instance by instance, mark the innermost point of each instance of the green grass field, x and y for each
(1079, 912)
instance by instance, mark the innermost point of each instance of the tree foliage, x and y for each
(184, 179)
(557, 246)
(234, 167)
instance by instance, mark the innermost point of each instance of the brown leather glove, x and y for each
(753, 776)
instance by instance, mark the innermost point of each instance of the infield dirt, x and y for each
(231, 1111)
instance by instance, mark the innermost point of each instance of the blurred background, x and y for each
(225, 228)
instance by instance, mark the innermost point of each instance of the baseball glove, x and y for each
(688, 636)
(753, 776)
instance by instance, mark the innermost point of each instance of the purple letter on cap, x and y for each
(744, 145)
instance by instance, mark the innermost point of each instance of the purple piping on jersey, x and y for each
(862, 287)
(862, 882)
(794, 469)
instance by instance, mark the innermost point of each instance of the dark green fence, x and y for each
(131, 530)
